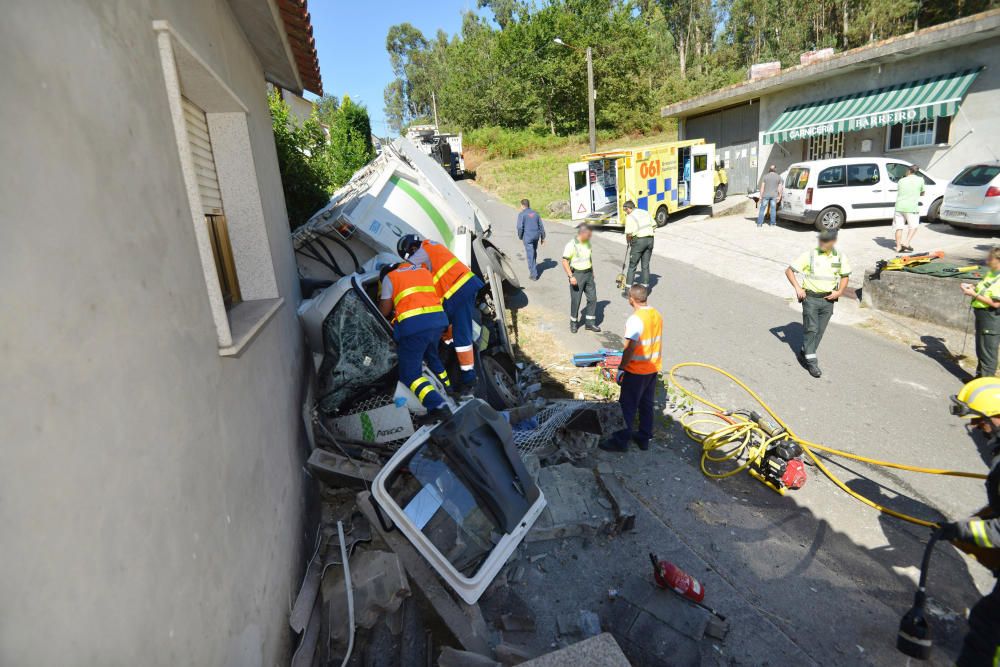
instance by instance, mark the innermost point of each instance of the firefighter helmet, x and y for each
(407, 245)
(979, 398)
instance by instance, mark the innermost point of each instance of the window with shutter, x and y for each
(211, 201)
(204, 162)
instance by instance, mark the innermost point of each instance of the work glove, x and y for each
(948, 531)
(619, 376)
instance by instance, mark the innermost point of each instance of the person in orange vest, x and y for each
(458, 287)
(638, 372)
(418, 322)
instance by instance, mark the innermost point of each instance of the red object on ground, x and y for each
(668, 575)
(609, 367)
(795, 474)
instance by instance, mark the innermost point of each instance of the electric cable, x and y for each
(336, 239)
(729, 436)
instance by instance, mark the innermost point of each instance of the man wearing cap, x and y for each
(639, 230)
(579, 267)
(824, 271)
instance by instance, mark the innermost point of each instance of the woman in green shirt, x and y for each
(985, 297)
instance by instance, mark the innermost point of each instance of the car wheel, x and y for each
(934, 212)
(661, 216)
(720, 193)
(496, 384)
(830, 218)
(502, 266)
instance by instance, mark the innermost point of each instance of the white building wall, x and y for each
(975, 130)
(150, 489)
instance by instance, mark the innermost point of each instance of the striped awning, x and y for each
(902, 103)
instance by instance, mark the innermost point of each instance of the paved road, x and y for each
(877, 397)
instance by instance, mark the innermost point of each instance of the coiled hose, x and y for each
(732, 436)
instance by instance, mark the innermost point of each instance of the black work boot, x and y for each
(593, 327)
(573, 326)
(438, 414)
(641, 444)
(813, 367)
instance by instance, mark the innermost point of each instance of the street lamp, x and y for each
(590, 92)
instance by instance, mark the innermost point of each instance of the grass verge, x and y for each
(539, 174)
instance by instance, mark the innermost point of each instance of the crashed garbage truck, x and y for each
(358, 399)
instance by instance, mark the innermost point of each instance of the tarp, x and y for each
(903, 103)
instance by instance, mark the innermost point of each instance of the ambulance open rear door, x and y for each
(579, 190)
(702, 174)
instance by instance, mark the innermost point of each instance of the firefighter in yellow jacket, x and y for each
(979, 535)
(640, 367)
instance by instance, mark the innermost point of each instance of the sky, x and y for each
(350, 40)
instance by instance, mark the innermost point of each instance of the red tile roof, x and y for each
(298, 27)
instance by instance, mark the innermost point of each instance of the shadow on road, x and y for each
(790, 334)
(545, 265)
(935, 348)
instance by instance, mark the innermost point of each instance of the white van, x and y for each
(831, 193)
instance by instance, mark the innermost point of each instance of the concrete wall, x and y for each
(150, 489)
(734, 131)
(937, 300)
(974, 133)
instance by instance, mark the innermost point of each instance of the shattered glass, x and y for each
(444, 509)
(359, 359)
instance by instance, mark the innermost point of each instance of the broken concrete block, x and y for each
(512, 654)
(600, 650)
(452, 657)
(517, 623)
(655, 626)
(336, 470)
(580, 623)
(574, 504)
(623, 504)
(379, 584)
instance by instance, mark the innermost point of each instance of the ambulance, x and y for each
(662, 179)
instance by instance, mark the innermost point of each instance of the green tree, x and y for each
(300, 148)
(350, 146)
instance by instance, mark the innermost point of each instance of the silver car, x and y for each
(972, 199)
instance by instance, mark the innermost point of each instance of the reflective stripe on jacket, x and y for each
(646, 357)
(449, 274)
(413, 292)
(579, 255)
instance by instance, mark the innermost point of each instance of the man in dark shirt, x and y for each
(771, 190)
(532, 232)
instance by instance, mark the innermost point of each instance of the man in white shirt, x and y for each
(639, 231)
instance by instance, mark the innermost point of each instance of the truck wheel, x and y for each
(497, 385)
(502, 266)
(661, 216)
(934, 212)
(830, 218)
(720, 193)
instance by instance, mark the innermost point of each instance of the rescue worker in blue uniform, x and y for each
(639, 369)
(979, 535)
(458, 287)
(532, 232)
(408, 298)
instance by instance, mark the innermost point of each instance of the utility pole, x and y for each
(434, 104)
(591, 122)
(590, 101)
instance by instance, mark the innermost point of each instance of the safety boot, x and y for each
(438, 414)
(813, 368)
(573, 326)
(593, 327)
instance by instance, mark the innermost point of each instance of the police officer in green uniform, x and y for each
(985, 297)
(824, 271)
(579, 269)
(639, 231)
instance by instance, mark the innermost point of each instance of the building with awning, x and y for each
(929, 97)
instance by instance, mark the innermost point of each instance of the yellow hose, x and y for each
(733, 439)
